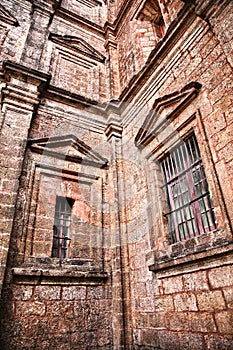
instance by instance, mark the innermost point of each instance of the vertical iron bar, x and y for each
(190, 184)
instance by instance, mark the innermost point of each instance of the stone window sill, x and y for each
(53, 271)
(200, 260)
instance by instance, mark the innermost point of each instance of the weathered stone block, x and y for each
(163, 303)
(190, 341)
(141, 320)
(26, 309)
(202, 322)
(168, 340)
(224, 320)
(149, 337)
(173, 285)
(185, 302)
(221, 277)
(146, 304)
(211, 301)
(157, 320)
(228, 294)
(95, 292)
(57, 309)
(47, 293)
(74, 293)
(179, 321)
(22, 292)
(214, 342)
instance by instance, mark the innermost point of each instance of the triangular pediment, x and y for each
(6, 17)
(77, 44)
(69, 148)
(90, 3)
(164, 110)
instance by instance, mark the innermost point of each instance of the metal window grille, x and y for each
(190, 207)
(61, 228)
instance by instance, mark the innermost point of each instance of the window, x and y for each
(150, 11)
(159, 29)
(190, 206)
(61, 228)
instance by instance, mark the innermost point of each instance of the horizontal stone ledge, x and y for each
(62, 276)
(208, 259)
(13, 67)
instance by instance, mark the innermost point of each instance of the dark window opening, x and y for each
(159, 28)
(151, 12)
(61, 228)
(190, 207)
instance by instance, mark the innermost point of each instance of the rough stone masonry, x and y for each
(116, 169)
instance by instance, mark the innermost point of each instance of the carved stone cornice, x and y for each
(20, 85)
(67, 275)
(46, 7)
(114, 127)
(207, 8)
(13, 67)
(110, 36)
(73, 99)
(127, 9)
(110, 41)
(79, 20)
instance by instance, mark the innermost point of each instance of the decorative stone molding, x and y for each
(114, 127)
(76, 65)
(205, 8)
(46, 6)
(79, 20)
(6, 17)
(90, 3)
(22, 94)
(57, 146)
(77, 44)
(164, 110)
(64, 276)
(196, 261)
(110, 39)
(13, 67)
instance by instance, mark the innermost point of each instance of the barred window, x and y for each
(190, 207)
(61, 228)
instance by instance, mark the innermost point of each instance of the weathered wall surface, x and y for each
(15, 29)
(185, 302)
(49, 303)
(123, 285)
(74, 317)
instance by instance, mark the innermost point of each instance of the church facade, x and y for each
(116, 171)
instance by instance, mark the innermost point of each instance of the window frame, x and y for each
(62, 227)
(178, 168)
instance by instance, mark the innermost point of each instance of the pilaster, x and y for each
(111, 48)
(120, 261)
(42, 13)
(19, 97)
